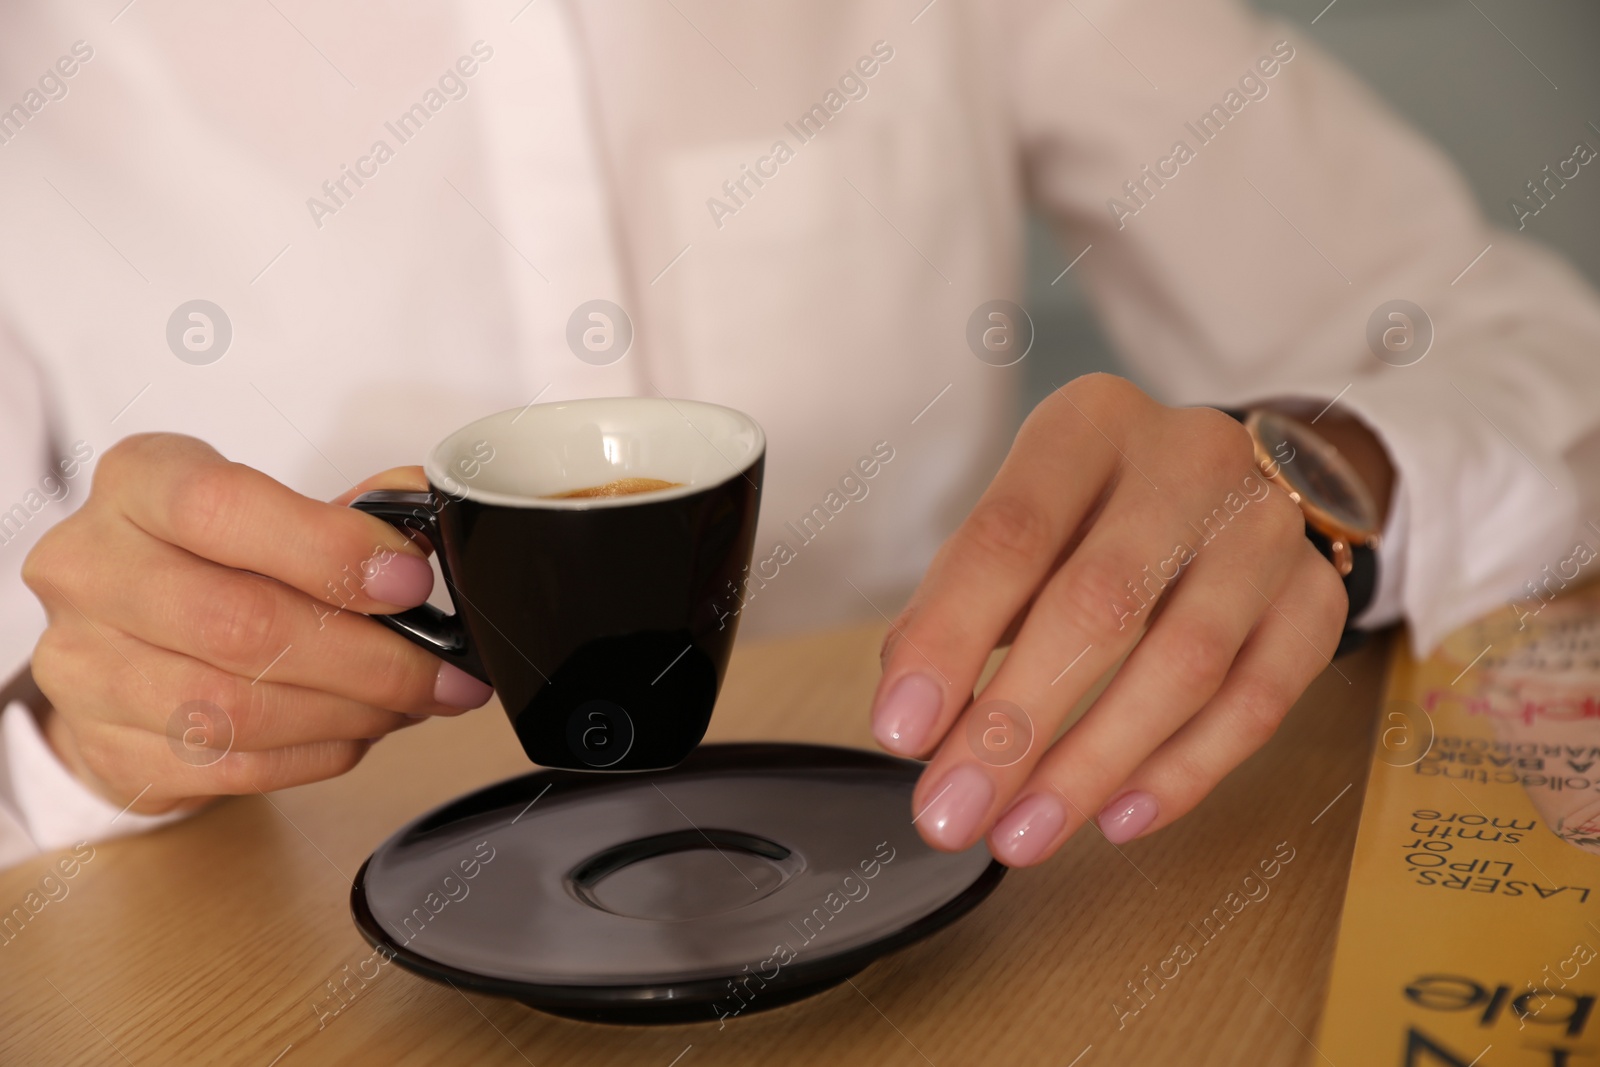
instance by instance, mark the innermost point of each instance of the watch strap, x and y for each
(1360, 585)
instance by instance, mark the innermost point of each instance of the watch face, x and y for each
(1313, 468)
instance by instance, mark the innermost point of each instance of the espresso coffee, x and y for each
(619, 487)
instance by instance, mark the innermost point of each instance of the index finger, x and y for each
(182, 491)
(986, 572)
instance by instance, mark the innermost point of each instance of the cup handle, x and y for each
(425, 625)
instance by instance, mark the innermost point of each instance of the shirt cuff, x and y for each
(55, 808)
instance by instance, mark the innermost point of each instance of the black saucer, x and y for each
(746, 877)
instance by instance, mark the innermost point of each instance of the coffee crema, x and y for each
(620, 487)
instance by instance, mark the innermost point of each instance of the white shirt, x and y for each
(607, 152)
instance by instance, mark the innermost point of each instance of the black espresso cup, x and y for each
(600, 620)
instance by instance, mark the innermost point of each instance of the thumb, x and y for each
(403, 478)
(406, 479)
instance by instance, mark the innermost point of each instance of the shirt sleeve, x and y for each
(32, 497)
(43, 805)
(1247, 213)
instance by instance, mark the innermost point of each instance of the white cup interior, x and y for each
(523, 456)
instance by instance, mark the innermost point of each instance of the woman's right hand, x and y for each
(207, 631)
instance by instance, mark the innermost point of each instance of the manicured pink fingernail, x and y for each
(1126, 817)
(953, 816)
(1024, 833)
(906, 715)
(399, 579)
(458, 689)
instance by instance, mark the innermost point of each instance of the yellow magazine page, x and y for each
(1471, 923)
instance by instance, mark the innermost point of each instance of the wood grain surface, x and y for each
(212, 941)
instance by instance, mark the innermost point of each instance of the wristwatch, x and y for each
(1341, 517)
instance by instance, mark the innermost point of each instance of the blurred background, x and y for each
(1503, 86)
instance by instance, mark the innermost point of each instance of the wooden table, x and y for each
(210, 941)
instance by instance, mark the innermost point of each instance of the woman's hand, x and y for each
(1113, 515)
(205, 634)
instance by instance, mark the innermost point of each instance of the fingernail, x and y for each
(399, 579)
(1024, 833)
(953, 817)
(458, 689)
(1126, 817)
(906, 715)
